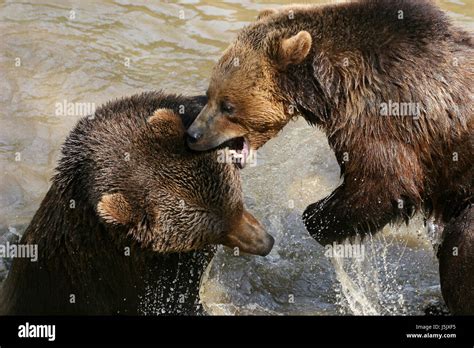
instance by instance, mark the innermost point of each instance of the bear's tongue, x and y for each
(246, 147)
(241, 149)
(245, 151)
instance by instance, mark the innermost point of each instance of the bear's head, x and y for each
(149, 189)
(181, 228)
(244, 95)
(177, 200)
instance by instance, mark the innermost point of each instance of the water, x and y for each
(59, 52)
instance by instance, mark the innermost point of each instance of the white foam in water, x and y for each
(377, 284)
(294, 170)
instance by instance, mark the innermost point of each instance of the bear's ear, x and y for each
(115, 209)
(288, 51)
(166, 123)
(266, 13)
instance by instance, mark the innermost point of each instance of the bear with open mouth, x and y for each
(132, 217)
(390, 83)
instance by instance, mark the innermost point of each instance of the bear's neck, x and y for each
(83, 268)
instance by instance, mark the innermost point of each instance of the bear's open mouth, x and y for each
(239, 150)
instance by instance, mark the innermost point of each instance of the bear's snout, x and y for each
(193, 136)
(249, 236)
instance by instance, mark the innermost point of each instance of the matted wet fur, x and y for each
(132, 216)
(341, 67)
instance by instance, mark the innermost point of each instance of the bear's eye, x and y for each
(227, 107)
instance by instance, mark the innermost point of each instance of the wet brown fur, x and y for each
(421, 58)
(135, 186)
(456, 263)
(362, 55)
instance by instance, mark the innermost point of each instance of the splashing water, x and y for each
(367, 285)
(82, 60)
(375, 284)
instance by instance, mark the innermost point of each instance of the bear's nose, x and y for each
(193, 136)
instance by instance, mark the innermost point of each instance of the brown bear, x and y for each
(132, 216)
(390, 82)
(456, 262)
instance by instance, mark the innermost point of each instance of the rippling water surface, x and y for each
(57, 52)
